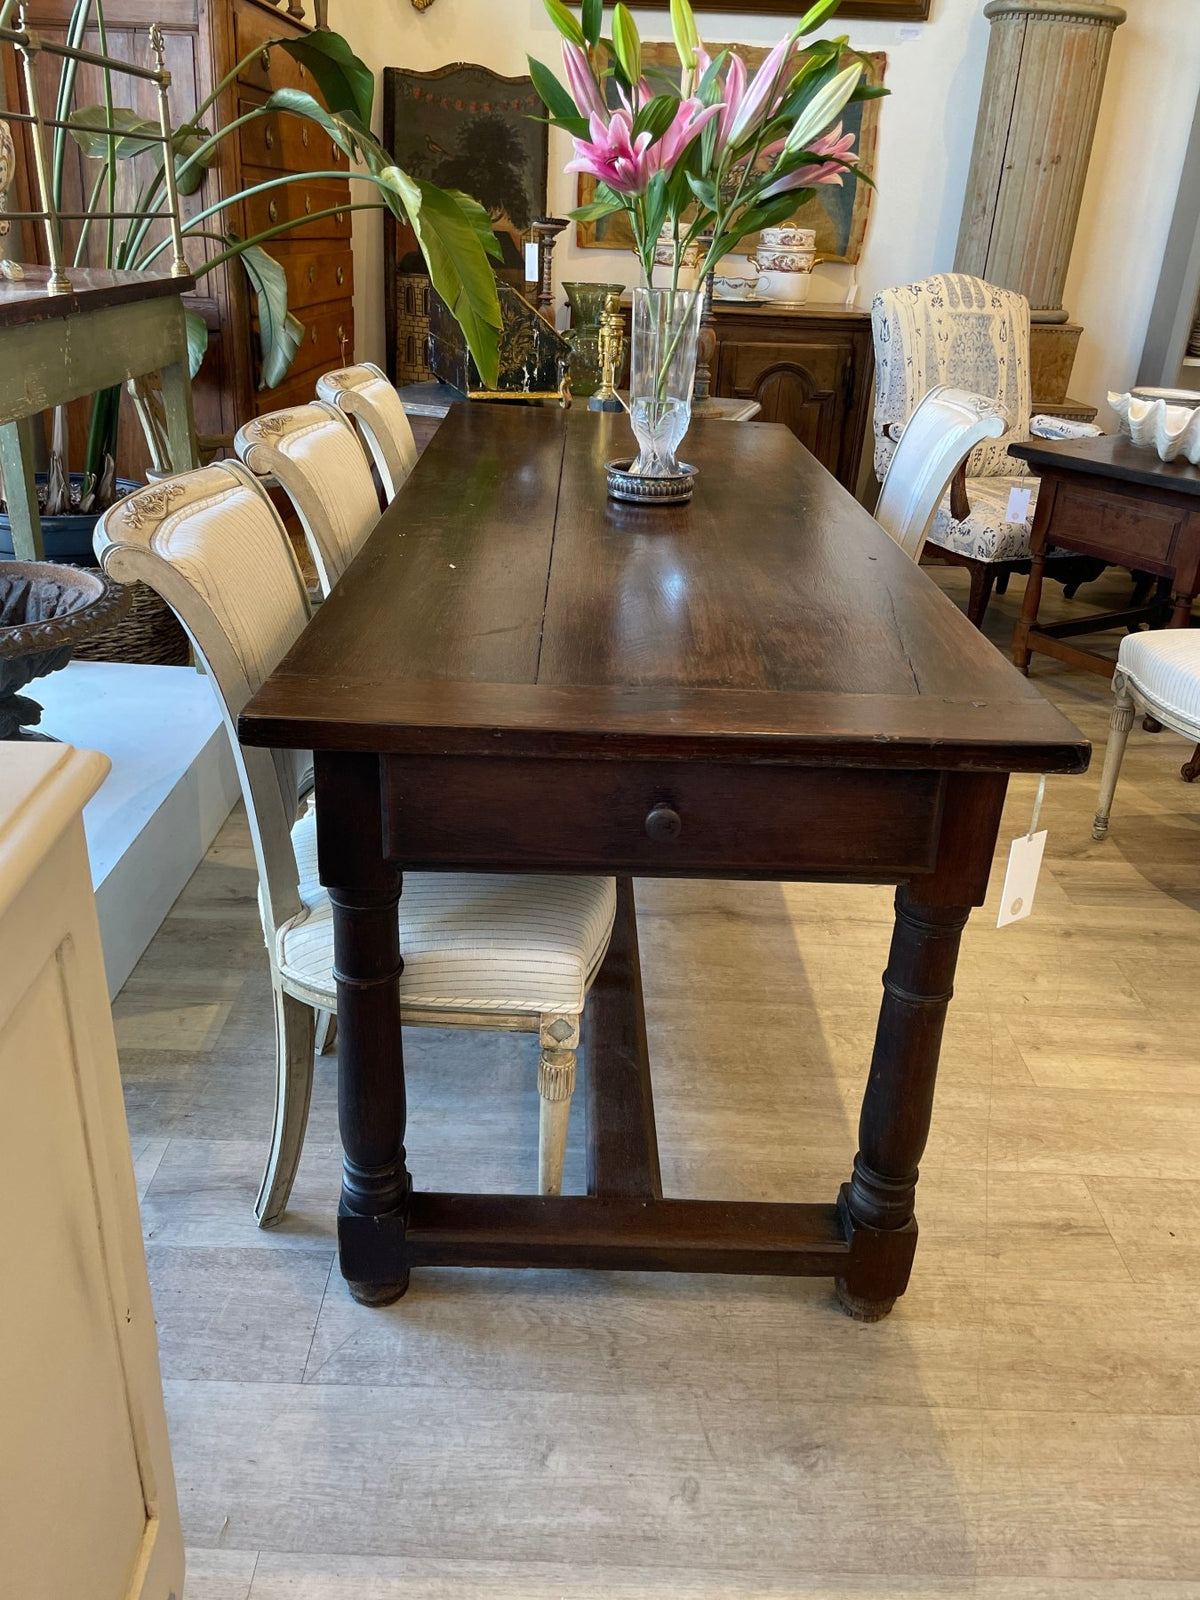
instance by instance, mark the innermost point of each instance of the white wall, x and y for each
(924, 150)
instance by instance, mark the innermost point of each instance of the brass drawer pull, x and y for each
(269, 138)
(304, 136)
(264, 59)
(664, 825)
(340, 275)
(308, 205)
(273, 210)
(312, 274)
(337, 217)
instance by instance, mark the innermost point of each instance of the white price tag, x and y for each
(532, 268)
(1018, 505)
(1024, 866)
(1021, 879)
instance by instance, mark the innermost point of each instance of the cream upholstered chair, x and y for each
(314, 453)
(480, 950)
(364, 394)
(954, 329)
(939, 436)
(1157, 674)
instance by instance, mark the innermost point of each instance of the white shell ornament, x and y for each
(1171, 430)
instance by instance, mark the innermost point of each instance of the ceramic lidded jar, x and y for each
(784, 262)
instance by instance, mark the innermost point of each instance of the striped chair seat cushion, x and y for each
(1164, 666)
(470, 941)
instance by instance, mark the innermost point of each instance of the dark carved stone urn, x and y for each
(44, 611)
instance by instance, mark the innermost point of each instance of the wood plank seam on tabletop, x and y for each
(572, 625)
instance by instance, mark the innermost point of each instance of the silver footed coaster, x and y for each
(673, 491)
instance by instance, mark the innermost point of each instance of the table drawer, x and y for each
(660, 818)
(1128, 531)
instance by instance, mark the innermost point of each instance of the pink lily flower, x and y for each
(690, 120)
(734, 91)
(835, 145)
(763, 95)
(585, 91)
(613, 155)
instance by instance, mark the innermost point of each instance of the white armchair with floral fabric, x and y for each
(958, 330)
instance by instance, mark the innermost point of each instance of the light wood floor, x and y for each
(1026, 1425)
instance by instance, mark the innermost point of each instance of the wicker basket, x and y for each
(148, 633)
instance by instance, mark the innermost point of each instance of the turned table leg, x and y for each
(364, 890)
(880, 1197)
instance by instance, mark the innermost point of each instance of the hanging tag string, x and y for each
(1037, 805)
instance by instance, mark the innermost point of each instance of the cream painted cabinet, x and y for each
(87, 1495)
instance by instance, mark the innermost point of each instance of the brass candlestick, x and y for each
(611, 340)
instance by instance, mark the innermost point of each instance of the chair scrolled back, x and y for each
(211, 544)
(960, 331)
(364, 394)
(316, 456)
(939, 436)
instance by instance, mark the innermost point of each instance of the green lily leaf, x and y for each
(596, 211)
(656, 116)
(557, 100)
(450, 241)
(279, 331)
(197, 340)
(347, 83)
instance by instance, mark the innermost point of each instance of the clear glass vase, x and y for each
(666, 327)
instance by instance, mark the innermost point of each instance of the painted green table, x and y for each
(53, 348)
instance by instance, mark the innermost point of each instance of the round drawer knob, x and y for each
(664, 825)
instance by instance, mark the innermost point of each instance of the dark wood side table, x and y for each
(1109, 499)
(756, 685)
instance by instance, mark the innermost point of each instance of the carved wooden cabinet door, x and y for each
(87, 1494)
(809, 370)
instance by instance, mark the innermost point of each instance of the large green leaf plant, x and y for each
(452, 230)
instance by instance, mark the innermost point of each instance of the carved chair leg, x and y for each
(1119, 725)
(559, 1040)
(983, 576)
(326, 1032)
(1190, 770)
(295, 1025)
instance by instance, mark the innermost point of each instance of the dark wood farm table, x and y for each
(519, 674)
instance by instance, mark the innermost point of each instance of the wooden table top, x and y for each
(1112, 455)
(92, 289)
(505, 606)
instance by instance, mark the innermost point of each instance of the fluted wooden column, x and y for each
(1037, 119)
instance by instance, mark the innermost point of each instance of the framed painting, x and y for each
(872, 10)
(466, 127)
(837, 215)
